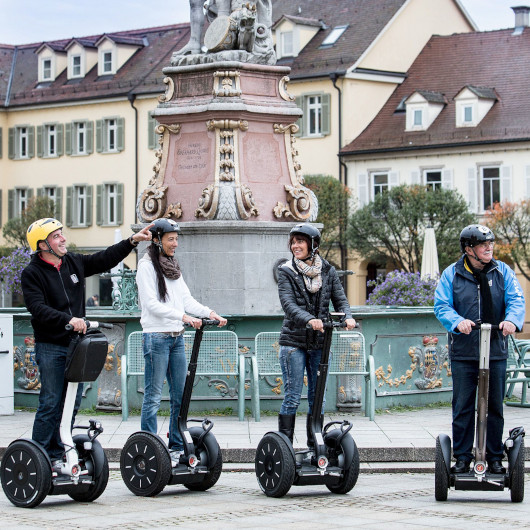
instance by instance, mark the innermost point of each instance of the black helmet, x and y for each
(163, 226)
(473, 235)
(309, 231)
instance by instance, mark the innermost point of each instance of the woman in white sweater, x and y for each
(166, 304)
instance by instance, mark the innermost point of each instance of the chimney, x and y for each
(521, 17)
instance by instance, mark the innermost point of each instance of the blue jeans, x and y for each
(164, 357)
(51, 360)
(465, 383)
(294, 361)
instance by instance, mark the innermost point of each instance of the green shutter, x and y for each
(31, 142)
(58, 211)
(99, 204)
(151, 134)
(11, 143)
(89, 193)
(40, 192)
(60, 139)
(89, 127)
(326, 113)
(30, 194)
(299, 100)
(99, 136)
(1, 207)
(68, 140)
(11, 204)
(40, 142)
(0, 146)
(119, 206)
(69, 205)
(121, 134)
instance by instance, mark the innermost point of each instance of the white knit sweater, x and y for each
(160, 316)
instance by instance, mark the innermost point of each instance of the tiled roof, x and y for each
(432, 97)
(365, 19)
(301, 20)
(497, 59)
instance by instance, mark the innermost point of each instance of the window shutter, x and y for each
(31, 142)
(99, 136)
(89, 127)
(326, 113)
(472, 189)
(58, 203)
(393, 179)
(89, 193)
(119, 206)
(121, 134)
(10, 204)
(68, 140)
(299, 100)
(60, 139)
(30, 193)
(527, 171)
(447, 179)
(69, 205)
(1, 210)
(11, 143)
(1, 143)
(99, 204)
(40, 192)
(506, 183)
(151, 134)
(40, 142)
(362, 189)
(415, 178)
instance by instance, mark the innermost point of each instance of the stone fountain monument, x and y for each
(227, 166)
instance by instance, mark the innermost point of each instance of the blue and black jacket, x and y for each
(458, 298)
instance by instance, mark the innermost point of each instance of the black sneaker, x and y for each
(461, 466)
(496, 468)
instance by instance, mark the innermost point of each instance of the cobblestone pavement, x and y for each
(378, 500)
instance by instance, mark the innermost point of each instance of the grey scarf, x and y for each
(312, 274)
(170, 267)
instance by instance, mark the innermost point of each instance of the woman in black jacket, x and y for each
(306, 285)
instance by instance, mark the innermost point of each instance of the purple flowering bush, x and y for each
(11, 269)
(402, 288)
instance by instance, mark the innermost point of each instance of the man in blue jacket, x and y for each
(478, 288)
(53, 285)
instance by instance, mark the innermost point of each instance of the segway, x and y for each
(26, 470)
(478, 477)
(145, 461)
(334, 462)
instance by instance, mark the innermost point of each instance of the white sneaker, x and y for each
(175, 456)
(57, 466)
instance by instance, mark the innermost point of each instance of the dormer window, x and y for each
(107, 62)
(51, 62)
(422, 108)
(334, 36)
(76, 66)
(46, 69)
(286, 43)
(292, 33)
(472, 104)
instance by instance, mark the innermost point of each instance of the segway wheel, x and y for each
(214, 472)
(350, 476)
(26, 474)
(274, 465)
(441, 477)
(99, 484)
(517, 478)
(145, 464)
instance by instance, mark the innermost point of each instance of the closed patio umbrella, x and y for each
(429, 259)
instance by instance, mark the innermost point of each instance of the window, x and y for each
(286, 44)
(79, 206)
(152, 136)
(21, 142)
(334, 36)
(46, 69)
(491, 186)
(17, 201)
(79, 137)
(380, 181)
(50, 140)
(468, 114)
(109, 204)
(433, 180)
(316, 119)
(53, 193)
(418, 117)
(109, 135)
(107, 62)
(76, 66)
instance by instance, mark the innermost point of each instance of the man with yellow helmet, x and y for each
(53, 285)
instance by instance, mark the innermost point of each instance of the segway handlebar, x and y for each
(333, 324)
(205, 322)
(91, 324)
(478, 325)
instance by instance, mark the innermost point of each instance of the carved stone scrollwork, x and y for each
(170, 90)
(227, 84)
(282, 88)
(302, 204)
(152, 204)
(208, 202)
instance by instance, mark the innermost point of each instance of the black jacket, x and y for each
(298, 306)
(53, 296)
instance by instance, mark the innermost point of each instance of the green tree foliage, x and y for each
(15, 229)
(391, 228)
(332, 198)
(510, 222)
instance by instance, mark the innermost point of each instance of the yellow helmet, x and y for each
(40, 230)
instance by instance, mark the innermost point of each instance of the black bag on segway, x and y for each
(86, 357)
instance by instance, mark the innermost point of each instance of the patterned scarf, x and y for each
(170, 267)
(311, 273)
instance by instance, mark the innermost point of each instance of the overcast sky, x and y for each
(29, 21)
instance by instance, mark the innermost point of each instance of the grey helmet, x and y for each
(163, 226)
(473, 235)
(309, 231)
